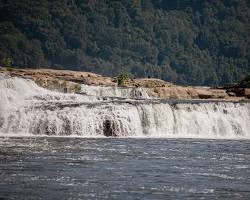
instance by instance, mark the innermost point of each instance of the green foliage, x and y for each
(188, 42)
(77, 88)
(122, 77)
(9, 69)
(7, 62)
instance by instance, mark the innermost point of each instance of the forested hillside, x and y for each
(196, 42)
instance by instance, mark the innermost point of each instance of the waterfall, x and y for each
(27, 109)
(131, 93)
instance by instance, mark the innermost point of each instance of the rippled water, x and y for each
(106, 168)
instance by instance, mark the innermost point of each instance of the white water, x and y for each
(131, 93)
(26, 109)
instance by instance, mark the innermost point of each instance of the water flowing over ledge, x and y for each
(131, 93)
(27, 109)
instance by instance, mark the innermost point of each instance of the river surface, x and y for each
(124, 168)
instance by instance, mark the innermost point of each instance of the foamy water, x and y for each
(27, 109)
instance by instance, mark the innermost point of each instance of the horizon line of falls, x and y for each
(27, 109)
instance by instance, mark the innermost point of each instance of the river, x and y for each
(112, 168)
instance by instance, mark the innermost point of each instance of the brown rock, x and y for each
(240, 92)
(247, 92)
(69, 81)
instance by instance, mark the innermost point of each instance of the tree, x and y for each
(200, 42)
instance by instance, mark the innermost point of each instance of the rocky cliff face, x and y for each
(70, 81)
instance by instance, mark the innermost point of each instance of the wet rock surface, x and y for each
(69, 82)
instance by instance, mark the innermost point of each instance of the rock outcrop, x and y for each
(178, 92)
(239, 92)
(239, 89)
(69, 81)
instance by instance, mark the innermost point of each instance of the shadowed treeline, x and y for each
(187, 42)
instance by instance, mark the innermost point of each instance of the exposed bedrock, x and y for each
(74, 81)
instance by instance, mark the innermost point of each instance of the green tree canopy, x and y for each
(198, 42)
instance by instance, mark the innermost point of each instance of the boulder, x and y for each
(240, 92)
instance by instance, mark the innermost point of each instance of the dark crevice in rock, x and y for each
(109, 128)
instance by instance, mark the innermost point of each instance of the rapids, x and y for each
(27, 109)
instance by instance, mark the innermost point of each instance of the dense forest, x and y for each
(190, 42)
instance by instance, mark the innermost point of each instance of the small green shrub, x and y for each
(77, 88)
(122, 78)
(7, 62)
(9, 69)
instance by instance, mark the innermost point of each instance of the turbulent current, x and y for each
(27, 109)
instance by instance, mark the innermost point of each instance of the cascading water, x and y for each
(131, 93)
(26, 109)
